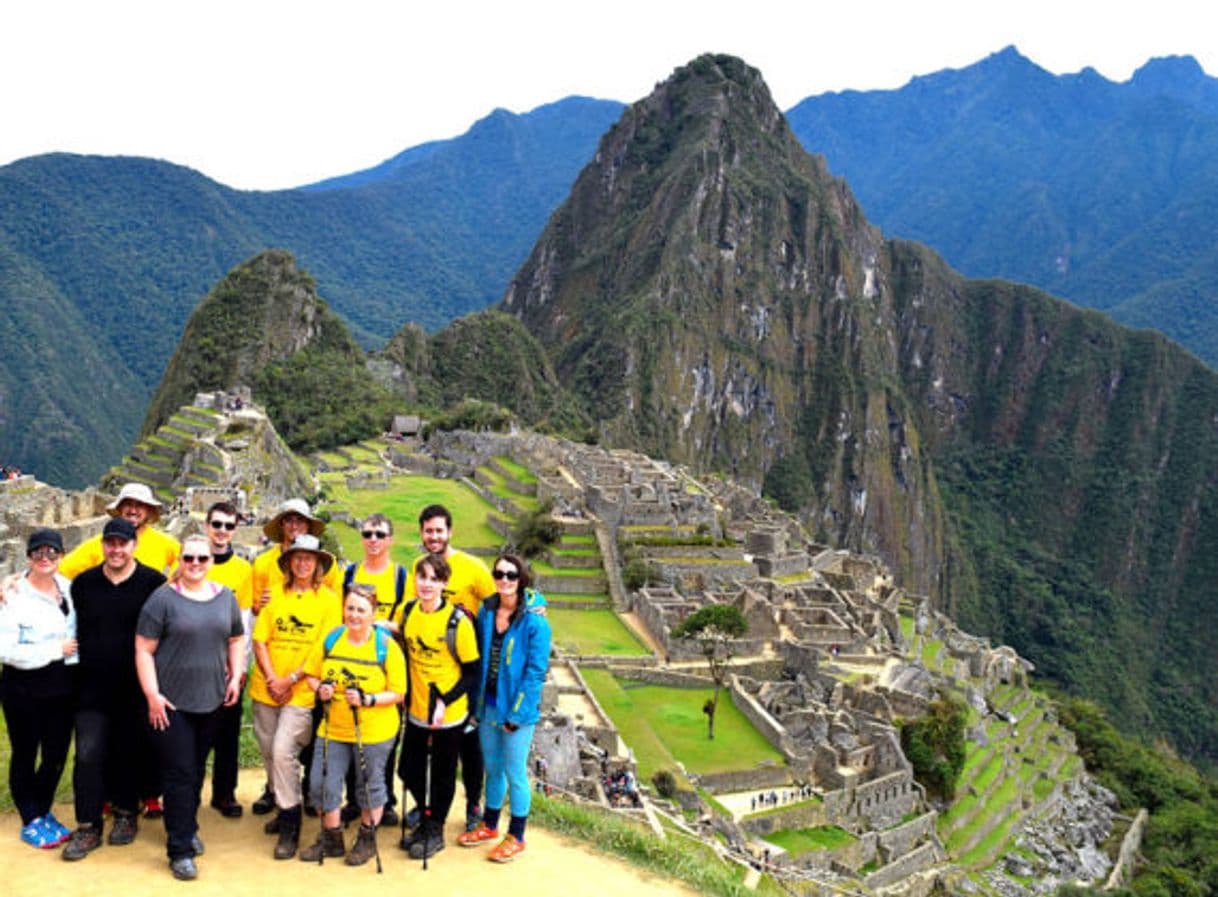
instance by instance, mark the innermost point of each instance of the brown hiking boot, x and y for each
(364, 847)
(84, 840)
(289, 839)
(329, 843)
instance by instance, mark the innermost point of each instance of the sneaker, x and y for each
(265, 803)
(58, 831)
(83, 840)
(480, 835)
(124, 829)
(390, 818)
(473, 818)
(227, 807)
(35, 834)
(428, 845)
(184, 869)
(153, 808)
(506, 850)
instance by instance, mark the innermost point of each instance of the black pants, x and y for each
(471, 767)
(442, 757)
(40, 730)
(109, 750)
(182, 748)
(226, 747)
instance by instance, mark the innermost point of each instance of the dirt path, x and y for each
(238, 863)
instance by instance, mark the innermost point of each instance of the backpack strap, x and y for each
(399, 590)
(348, 576)
(331, 637)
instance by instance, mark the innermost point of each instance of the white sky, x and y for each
(276, 93)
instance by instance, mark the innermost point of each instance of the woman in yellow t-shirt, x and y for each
(298, 616)
(442, 672)
(359, 674)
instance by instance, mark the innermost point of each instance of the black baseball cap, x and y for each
(119, 528)
(41, 537)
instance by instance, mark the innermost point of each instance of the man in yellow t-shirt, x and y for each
(153, 548)
(469, 586)
(291, 520)
(442, 673)
(229, 569)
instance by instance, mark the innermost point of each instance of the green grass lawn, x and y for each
(518, 472)
(402, 501)
(804, 840)
(544, 569)
(660, 723)
(595, 599)
(593, 632)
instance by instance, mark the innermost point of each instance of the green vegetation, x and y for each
(713, 627)
(661, 723)
(805, 840)
(593, 633)
(934, 744)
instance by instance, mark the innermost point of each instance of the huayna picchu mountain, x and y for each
(713, 296)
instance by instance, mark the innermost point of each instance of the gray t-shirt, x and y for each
(192, 645)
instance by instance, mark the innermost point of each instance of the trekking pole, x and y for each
(432, 695)
(363, 766)
(325, 765)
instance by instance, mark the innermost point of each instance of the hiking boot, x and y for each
(227, 807)
(428, 844)
(480, 835)
(124, 829)
(289, 834)
(414, 817)
(329, 843)
(153, 809)
(272, 826)
(184, 869)
(473, 818)
(265, 803)
(85, 839)
(390, 818)
(364, 847)
(506, 850)
(410, 837)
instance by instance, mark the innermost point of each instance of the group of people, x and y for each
(143, 648)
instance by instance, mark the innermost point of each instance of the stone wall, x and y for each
(806, 814)
(770, 775)
(773, 730)
(916, 860)
(656, 676)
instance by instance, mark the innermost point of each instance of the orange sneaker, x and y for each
(480, 835)
(506, 850)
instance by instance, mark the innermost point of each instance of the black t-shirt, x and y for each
(106, 615)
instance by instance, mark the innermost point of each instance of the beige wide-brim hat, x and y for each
(273, 528)
(141, 493)
(307, 543)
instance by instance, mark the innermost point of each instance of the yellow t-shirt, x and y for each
(237, 574)
(385, 584)
(289, 626)
(346, 663)
(469, 585)
(267, 573)
(429, 662)
(153, 548)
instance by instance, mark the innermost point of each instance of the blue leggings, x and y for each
(506, 757)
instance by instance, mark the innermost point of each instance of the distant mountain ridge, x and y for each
(1099, 192)
(120, 250)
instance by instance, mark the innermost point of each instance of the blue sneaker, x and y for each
(59, 832)
(36, 835)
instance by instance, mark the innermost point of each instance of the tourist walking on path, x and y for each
(298, 616)
(111, 732)
(155, 549)
(468, 586)
(514, 646)
(359, 674)
(188, 655)
(442, 672)
(38, 652)
(229, 569)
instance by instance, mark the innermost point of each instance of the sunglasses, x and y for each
(229, 525)
(374, 534)
(196, 558)
(44, 553)
(509, 575)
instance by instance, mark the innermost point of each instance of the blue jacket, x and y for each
(523, 660)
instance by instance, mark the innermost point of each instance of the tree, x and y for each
(935, 746)
(714, 627)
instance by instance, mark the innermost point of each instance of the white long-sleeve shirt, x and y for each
(34, 627)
